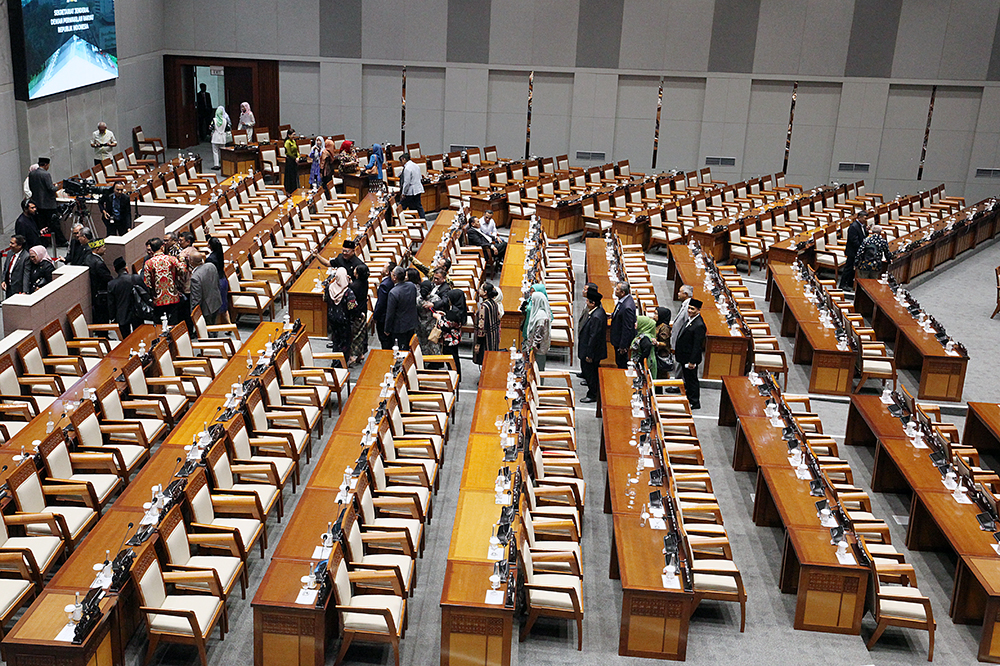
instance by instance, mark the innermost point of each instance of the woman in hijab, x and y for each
(451, 322)
(247, 121)
(359, 322)
(340, 306)
(374, 167)
(538, 325)
(328, 162)
(487, 323)
(217, 258)
(291, 180)
(643, 347)
(220, 125)
(347, 161)
(314, 162)
(664, 359)
(41, 268)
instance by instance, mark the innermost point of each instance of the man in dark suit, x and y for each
(401, 309)
(116, 211)
(592, 345)
(120, 297)
(43, 193)
(855, 235)
(203, 106)
(16, 272)
(622, 324)
(100, 277)
(688, 352)
(27, 224)
(381, 304)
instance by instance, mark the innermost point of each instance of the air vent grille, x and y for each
(720, 161)
(854, 167)
(594, 156)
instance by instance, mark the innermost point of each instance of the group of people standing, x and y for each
(661, 345)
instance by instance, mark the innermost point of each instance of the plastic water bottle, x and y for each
(163, 322)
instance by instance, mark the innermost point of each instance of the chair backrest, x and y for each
(27, 488)
(200, 499)
(148, 575)
(31, 356)
(77, 322)
(134, 376)
(10, 386)
(174, 535)
(218, 463)
(110, 400)
(55, 454)
(239, 437)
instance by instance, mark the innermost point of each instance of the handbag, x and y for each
(434, 335)
(142, 304)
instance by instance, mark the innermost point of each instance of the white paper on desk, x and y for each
(102, 581)
(961, 499)
(734, 332)
(321, 553)
(828, 521)
(354, 482)
(847, 557)
(149, 519)
(995, 547)
(502, 500)
(495, 553)
(886, 401)
(671, 582)
(647, 463)
(657, 524)
(657, 511)
(777, 423)
(66, 634)
(918, 443)
(951, 353)
(803, 473)
(494, 597)
(307, 597)
(343, 496)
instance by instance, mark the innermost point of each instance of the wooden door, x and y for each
(239, 89)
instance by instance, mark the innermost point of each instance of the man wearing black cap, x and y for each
(27, 224)
(346, 259)
(43, 193)
(592, 345)
(688, 350)
(100, 276)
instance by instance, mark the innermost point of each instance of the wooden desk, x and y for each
(632, 231)
(725, 353)
(32, 640)
(473, 632)
(937, 520)
(510, 286)
(942, 375)
(597, 270)
(831, 595)
(479, 204)
(560, 218)
(832, 368)
(240, 160)
(292, 634)
(982, 426)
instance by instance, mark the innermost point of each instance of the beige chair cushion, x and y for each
(246, 527)
(43, 548)
(373, 623)
(225, 567)
(76, 518)
(11, 590)
(103, 483)
(559, 600)
(204, 608)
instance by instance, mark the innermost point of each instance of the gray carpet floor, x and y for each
(960, 295)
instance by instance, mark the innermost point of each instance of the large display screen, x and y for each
(59, 45)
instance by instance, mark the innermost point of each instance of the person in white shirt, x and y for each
(487, 226)
(104, 142)
(410, 187)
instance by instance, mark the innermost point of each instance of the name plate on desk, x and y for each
(671, 582)
(66, 634)
(846, 558)
(495, 553)
(307, 597)
(494, 597)
(657, 524)
(321, 553)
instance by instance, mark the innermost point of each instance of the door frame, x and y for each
(179, 103)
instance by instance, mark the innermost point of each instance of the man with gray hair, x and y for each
(873, 255)
(103, 142)
(623, 324)
(79, 245)
(685, 293)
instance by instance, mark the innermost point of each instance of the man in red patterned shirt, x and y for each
(163, 275)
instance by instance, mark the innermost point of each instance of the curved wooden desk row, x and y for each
(831, 595)
(33, 636)
(510, 284)
(725, 354)
(937, 520)
(908, 264)
(714, 238)
(654, 619)
(942, 373)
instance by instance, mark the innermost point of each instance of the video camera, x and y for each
(78, 187)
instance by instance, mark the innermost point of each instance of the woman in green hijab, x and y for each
(538, 324)
(643, 346)
(220, 125)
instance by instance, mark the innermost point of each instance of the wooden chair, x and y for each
(897, 606)
(40, 552)
(177, 542)
(239, 515)
(363, 552)
(178, 618)
(368, 617)
(148, 146)
(101, 471)
(71, 522)
(255, 480)
(16, 585)
(557, 595)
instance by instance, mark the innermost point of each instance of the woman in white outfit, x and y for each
(220, 125)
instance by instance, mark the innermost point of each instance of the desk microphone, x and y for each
(177, 466)
(122, 544)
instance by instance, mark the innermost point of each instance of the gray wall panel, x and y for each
(340, 28)
(506, 118)
(734, 35)
(920, 39)
(469, 31)
(599, 33)
(873, 38)
(425, 108)
(993, 74)
(779, 36)
(968, 39)
(299, 90)
(825, 37)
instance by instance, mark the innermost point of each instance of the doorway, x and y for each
(228, 81)
(213, 78)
